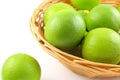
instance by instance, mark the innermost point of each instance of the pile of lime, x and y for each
(86, 29)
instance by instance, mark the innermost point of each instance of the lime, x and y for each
(65, 29)
(103, 15)
(85, 4)
(77, 51)
(102, 45)
(51, 10)
(118, 8)
(83, 13)
(21, 67)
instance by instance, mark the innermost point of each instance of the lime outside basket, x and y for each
(74, 63)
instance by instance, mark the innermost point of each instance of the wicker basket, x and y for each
(74, 63)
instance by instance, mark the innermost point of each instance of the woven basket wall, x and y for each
(74, 63)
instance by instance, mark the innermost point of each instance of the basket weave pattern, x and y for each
(74, 63)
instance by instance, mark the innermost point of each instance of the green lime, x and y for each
(118, 8)
(85, 4)
(102, 45)
(103, 15)
(83, 13)
(51, 10)
(21, 67)
(77, 51)
(65, 29)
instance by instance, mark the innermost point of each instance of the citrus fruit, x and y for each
(51, 10)
(118, 8)
(21, 67)
(85, 4)
(77, 51)
(65, 29)
(83, 13)
(103, 15)
(102, 45)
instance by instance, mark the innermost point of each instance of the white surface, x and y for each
(15, 37)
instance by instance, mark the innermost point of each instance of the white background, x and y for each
(15, 37)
